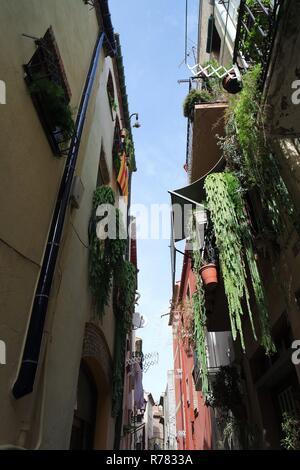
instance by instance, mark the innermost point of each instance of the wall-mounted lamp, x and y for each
(136, 124)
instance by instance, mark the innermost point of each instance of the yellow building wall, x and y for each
(30, 177)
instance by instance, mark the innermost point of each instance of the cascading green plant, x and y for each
(125, 291)
(249, 156)
(229, 245)
(233, 239)
(199, 314)
(235, 194)
(124, 302)
(118, 368)
(105, 256)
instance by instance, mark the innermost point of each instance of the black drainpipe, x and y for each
(27, 372)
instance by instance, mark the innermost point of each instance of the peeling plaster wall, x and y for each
(284, 115)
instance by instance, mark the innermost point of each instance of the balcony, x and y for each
(205, 153)
(220, 352)
(270, 35)
(255, 33)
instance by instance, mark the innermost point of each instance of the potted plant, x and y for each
(51, 98)
(231, 84)
(208, 270)
(195, 97)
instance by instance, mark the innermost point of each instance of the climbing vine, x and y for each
(104, 255)
(250, 158)
(124, 301)
(125, 290)
(106, 267)
(118, 368)
(199, 312)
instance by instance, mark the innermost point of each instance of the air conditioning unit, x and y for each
(138, 321)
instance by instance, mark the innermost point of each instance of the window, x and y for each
(111, 94)
(50, 92)
(103, 173)
(215, 44)
(117, 147)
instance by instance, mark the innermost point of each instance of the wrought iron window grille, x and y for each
(46, 62)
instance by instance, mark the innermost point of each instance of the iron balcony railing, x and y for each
(255, 33)
(219, 353)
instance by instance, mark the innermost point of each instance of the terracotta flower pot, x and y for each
(209, 276)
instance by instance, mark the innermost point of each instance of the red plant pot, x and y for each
(209, 276)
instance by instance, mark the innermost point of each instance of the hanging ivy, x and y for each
(107, 266)
(125, 291)
(124, 301)
(234, 192)
(233, 239)
(118, 368)
(104, 255)
(199, 312)
(229, 245)
(250, 158)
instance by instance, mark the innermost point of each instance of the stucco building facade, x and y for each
(70, 404)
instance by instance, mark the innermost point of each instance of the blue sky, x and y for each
(152, 36)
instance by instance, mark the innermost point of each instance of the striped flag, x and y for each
(123, 176)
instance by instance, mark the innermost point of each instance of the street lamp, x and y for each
(136, 124)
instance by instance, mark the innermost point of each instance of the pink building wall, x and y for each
(197, 424)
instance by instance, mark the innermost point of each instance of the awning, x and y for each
(183, 201)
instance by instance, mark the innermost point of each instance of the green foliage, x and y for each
(130, 154)
(213, 84)
(105, 256)
(211, 91)
(226, 389)
(125, 290)
(234, 192)
(52, 97)
(234, 242)
(209, 254)
(103, 195)
(199, 314)
(118, 368)
(291, 432)
(255, 44)
(250, 158)
(129, 151)
(229, 245)
(195, 97)
(124, 301)
(107, 264)
(244, 110)
(200, 334)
